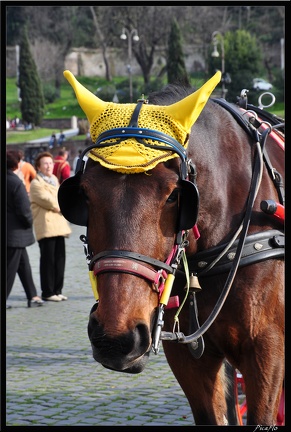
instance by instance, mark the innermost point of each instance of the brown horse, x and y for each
(190, 246)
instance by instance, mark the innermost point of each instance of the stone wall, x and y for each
(89, 62)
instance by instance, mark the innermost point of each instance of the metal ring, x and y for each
(261, 106)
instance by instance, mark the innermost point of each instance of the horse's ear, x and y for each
(188, 109)
(90, 104)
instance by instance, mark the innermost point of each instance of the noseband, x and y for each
(155, 271)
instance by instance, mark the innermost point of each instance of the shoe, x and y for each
(62, 297)
(54, 298)
(35, 302)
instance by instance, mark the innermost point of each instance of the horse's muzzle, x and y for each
(127, 352)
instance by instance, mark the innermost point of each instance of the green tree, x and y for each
(176, 69)
(243, 62)
(31, 93)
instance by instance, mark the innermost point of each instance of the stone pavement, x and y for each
(51, 376)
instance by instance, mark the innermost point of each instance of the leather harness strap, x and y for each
(258, 247)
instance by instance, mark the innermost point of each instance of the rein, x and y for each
(255, 183)
(236, 256)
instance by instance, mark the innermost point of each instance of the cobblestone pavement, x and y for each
(51, 376)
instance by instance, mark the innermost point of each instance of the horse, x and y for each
(180, 196)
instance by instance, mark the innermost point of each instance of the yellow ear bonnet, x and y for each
(130, 156)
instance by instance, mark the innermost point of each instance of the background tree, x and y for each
(243, 62)
(64, 27)
(103, 43)
(31, 95)
(153, 24)
(176, 69)
(55, 26)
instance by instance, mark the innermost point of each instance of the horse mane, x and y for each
(171, 93)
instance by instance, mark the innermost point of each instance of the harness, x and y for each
(237, 253)
(240, 251)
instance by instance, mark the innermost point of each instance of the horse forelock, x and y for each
(170, 94)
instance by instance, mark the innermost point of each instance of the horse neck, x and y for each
(223, 161)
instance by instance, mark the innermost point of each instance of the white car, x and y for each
(261, 84)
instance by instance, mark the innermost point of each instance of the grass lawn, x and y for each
(22, 136)
(67, 106)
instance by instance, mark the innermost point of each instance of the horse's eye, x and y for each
(174, 196)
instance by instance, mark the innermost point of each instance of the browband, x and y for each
(142, 133)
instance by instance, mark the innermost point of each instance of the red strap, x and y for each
(124, 265)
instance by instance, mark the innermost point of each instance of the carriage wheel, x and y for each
(241, 402)
(281, 411)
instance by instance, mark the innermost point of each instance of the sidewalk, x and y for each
(51, 376)
(68, 134)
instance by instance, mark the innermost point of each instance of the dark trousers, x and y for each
(52, 265)
(18, 262)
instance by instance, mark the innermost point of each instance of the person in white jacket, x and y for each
(50, 227)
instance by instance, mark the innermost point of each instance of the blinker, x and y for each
(189, 205)
(72, 201)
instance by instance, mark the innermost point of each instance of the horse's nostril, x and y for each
(94, 307)
(142, 334)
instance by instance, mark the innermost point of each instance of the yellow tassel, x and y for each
(167, 289)
(93, 280)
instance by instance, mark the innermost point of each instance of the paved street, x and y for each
(52, 378)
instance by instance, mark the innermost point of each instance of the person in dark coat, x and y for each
(19, 234)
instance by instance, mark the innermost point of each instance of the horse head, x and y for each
(138, 197)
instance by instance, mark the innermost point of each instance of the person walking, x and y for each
(62, 169)
(19, 234)
(50, 227)
(53, 141)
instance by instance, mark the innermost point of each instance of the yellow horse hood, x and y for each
(130, 156)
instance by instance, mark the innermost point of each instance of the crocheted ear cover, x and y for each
(130, 156)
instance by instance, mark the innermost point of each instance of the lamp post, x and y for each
(217, 37)
(130, 36)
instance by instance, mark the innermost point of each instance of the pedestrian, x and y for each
(27, 170)
(85, 158)
(53, 141)
(50, 226)
(62, 169)
(19, 234)
(17, 171)
(62, 138)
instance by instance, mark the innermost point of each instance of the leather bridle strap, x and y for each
(106, 265)
(142, 133)
(131, 256)
(129, 262)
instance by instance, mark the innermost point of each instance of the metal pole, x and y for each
(129, 64)
(17, 70)
(130, 36)
(222, 68)
(217, 36)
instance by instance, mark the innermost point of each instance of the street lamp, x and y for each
(217, 37)
(130, 36)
